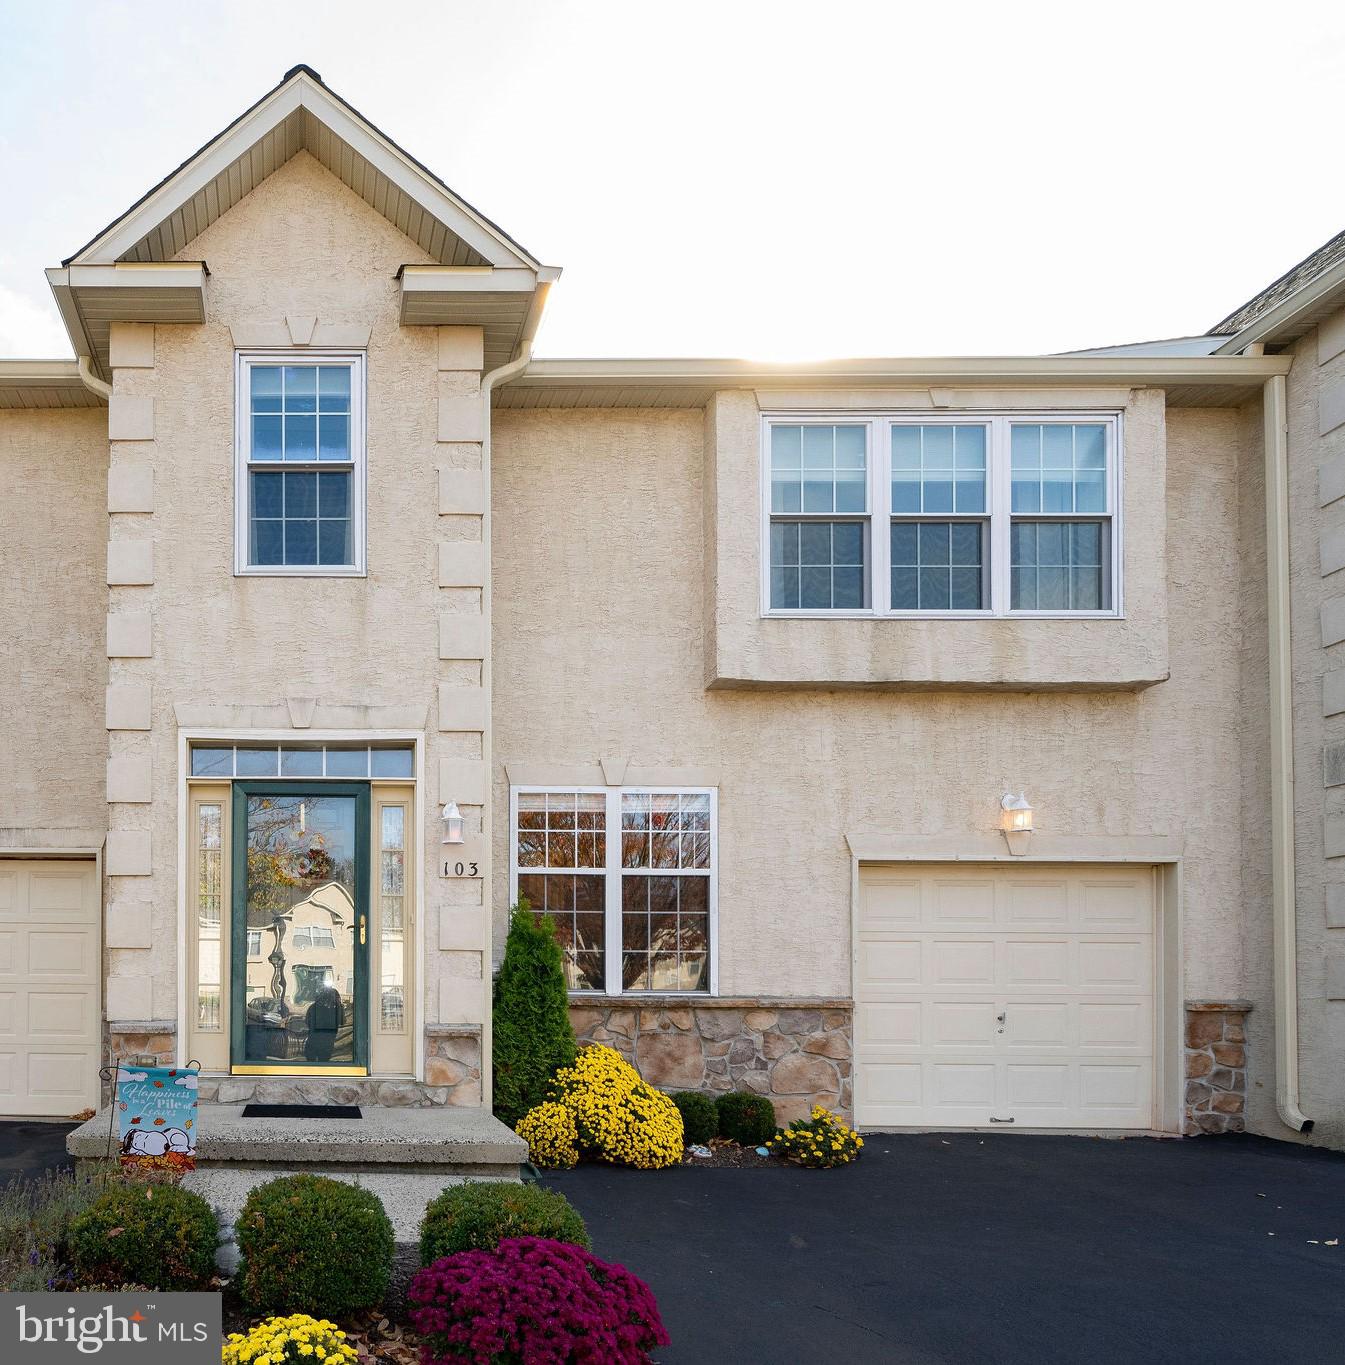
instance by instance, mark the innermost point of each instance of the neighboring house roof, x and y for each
(1197, 345)
(1290, 305)
(127, 272)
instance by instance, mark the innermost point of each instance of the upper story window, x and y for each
(300, 464)
(941, 516)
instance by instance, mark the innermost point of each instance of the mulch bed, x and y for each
(726, 1153)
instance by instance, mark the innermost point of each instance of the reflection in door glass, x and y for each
(301, 1004)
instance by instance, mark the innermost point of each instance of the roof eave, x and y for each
(1290, 319)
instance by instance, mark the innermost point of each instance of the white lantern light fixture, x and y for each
(452, 823)
(1016, 821)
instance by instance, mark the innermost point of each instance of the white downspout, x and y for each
(91, 380)
(1283, 895)
(489, 382)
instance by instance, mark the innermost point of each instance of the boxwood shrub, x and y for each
(314, 1245)
(745, 1118)
(159, 1236)
(475, 1216)
(700, 1118)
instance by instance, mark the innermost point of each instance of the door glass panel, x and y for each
(392, 919)
(208, 961)
(300, 993)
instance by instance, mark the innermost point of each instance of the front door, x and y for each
(300, 928)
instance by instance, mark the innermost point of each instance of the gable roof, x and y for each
(1290, 305)
(303, 113)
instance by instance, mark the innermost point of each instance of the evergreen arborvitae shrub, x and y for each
(532, 1037)
(746, 1118)
(478, 1215)
(700, 1118)
(159, 1236)
(311, 1244)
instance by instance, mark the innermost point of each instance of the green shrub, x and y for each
(700, 1118)
(477, 1215)
(161, 1236)
(35, 1219)
(746, 1118)
(531, 1029)
(314, 1245)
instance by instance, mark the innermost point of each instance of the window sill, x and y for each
(719, 1002)
(802, 615)
(300, 571)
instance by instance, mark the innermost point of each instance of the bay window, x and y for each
(628, 877)
(956, 515)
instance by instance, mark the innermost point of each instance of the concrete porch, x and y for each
(405, 1156)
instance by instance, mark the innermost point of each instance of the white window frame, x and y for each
(878, 518)
(243, 364)
(612, 870)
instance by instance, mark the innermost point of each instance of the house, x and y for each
(957, 742)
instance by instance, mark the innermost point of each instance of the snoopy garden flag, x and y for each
(156, 1117)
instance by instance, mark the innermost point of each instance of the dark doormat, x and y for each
(302, 1111)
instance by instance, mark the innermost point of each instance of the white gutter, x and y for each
(489, 382)
(91, 380)
(1283, 895)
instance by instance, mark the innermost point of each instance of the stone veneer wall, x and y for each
(799, 1052)
(452, 1073)
(1216, 1066)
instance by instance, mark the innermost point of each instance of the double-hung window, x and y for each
(300, 464)
(628, 875)
(967, 515)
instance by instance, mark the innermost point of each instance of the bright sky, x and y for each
(772, 180)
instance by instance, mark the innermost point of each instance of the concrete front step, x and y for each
(443, 1141)
(404, 1194)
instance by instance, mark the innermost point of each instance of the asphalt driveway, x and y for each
(1002, 1249)
(962, 1249)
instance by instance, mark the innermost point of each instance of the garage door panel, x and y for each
(888, 962)
(960, 1022)
(50, 971)
(67, 953)
(1037, 1085)
(1036, 902)
(1125, 963)
(1124, 1024)
(1115, 905)
(1039, 1024)
(962, 961)
(1037, 962)
(888, 900)
(962, 1084)
(895, 1024)
(960, 901)
(1041, 1018)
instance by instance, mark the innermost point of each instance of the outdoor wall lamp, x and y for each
(452, 823)
(1016, 821)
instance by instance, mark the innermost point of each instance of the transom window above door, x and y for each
(964, 515)
(300, 477)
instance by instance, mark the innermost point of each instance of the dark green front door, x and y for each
(300, 928)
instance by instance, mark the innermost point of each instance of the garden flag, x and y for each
(156, 1117)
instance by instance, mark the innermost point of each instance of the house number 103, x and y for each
(452, 869)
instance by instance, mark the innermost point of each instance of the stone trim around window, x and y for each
(1216, 1066)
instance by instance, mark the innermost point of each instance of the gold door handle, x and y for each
(363, 926)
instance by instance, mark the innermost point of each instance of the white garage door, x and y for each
(49, 987)
(1001, 995)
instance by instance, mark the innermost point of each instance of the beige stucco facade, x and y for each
(53, 472)
(565, 590)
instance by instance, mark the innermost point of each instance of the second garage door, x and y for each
(49, 987)
(1004, 996)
